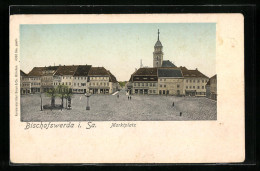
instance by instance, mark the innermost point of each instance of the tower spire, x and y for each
(158, 34)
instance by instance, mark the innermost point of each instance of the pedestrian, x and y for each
(172, 104)
(130, 97)
(180, 113)
(117, 95)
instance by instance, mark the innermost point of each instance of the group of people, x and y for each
(129, 97)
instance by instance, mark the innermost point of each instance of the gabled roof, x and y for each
(22, 73)
(169, 72)
(66, 70)
(36, 72)
(98, 71)
(167, 63)
(192, 73)
(82, 70)
(146, 72)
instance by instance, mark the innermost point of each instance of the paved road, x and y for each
(112, 108)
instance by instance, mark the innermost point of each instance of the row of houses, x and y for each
(168, 81)
(79, 78)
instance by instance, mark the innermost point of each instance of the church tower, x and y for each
(158, 54)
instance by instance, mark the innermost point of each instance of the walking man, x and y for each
(130, 97)
(173, 104)
(117, 95)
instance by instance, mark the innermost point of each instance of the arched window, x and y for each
(157, 57)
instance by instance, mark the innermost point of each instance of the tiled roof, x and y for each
(36, 71)
(167, 72)
(167, 63)
(192, 73)
(22, 73)
(66, 70)
(146, 72)
(82, 70)
(97, 71)
(112, 78)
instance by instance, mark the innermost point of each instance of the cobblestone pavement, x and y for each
(112, 108)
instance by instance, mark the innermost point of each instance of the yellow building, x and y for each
(170, 81)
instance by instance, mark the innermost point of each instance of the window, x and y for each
(100, 83)
(190, 81)
(178, 86)
(202, 87)
(134, 84)
(142, 84)
(66, 83)
(187, 81)
(198, 81)
(138, 84)
(69, 83)
(150, 91)
(198, 87)
(154, 91)
(194, 87)
(164, 79)
(151, 84)
(202, 81)
(187, 87)
(164, 85)
(160, 85)
(194, 81)
(146, 84)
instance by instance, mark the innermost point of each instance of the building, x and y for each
(194, 82)
(144, 81)
(64, 76)
(35, 79)
(81, 79)
(170, 81)
(158, 53)
(101, 81)
(213, 87)
(47, 78)
(25, 85)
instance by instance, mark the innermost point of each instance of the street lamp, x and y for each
(88, 96)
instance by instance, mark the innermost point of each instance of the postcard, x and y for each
(127, 88)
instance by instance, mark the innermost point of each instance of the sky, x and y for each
(118, 47)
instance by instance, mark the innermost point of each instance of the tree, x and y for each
(61, 92)
(52, 93)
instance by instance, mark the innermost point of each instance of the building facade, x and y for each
(81, 79)
(213, 87)
(170, 81)
(25, 84)
(194, 82)
(144, 81)
(47, 78)
(101, 81)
